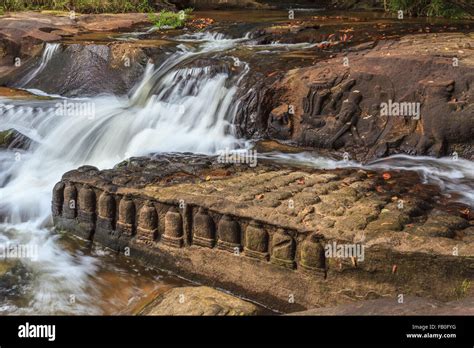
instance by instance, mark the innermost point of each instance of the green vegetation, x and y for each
(431, 8)
(171, 20)
(6, 137)
(462, 290)
(82, 6)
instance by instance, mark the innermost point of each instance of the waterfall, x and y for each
(175, 108)
(48, 53)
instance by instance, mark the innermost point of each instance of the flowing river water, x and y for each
(174, 108)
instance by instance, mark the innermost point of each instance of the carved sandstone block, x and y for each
(312, 258)
(283, 250)
(229, 234)
(106, 217)
(147, 223)
(203, 229)
(173, 235)
(256, 241)
(126, 216)
(70, 201)
(58, 198)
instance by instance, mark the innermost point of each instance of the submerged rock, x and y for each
(13, 139)
(200, 300)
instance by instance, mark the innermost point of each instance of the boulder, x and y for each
(199, 301)
(13, 139)
(411, 96)
(258, 231)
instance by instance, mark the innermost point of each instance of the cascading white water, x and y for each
(172, 109)
(48, 53)
(451, 175)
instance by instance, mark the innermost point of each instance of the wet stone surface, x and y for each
(190, 207)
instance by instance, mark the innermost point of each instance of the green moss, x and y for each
(171, 20)
(6, 138)
(462, 290)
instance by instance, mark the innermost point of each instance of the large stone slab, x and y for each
(338, 104)
(264, 232)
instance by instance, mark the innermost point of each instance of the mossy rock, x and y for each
(6, 137)
(12, 139)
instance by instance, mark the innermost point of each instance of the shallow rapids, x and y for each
(176, 107)
(173, 108)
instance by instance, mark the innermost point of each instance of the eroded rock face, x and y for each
(23, 35)
(349, 104)
(259, 231)
(198, 301)
(84, 70)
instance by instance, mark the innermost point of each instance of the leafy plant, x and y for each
(171, 20)
(462, 289)
(439, 8)
(84, 6)
(431, 8)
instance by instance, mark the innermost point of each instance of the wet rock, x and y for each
(24, 34)
(353, 107)
(85, 70)
(390, 306)
(111, 22)
(15, 278)
(230, 226)
(198, 301)
(14, 93)
(13, 139)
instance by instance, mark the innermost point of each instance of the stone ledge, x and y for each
(251, 255)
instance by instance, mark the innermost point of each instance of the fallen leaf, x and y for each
(465, 212)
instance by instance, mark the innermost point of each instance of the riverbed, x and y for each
(182, 102)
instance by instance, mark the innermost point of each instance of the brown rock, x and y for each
(199, 301)
(339, 107)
